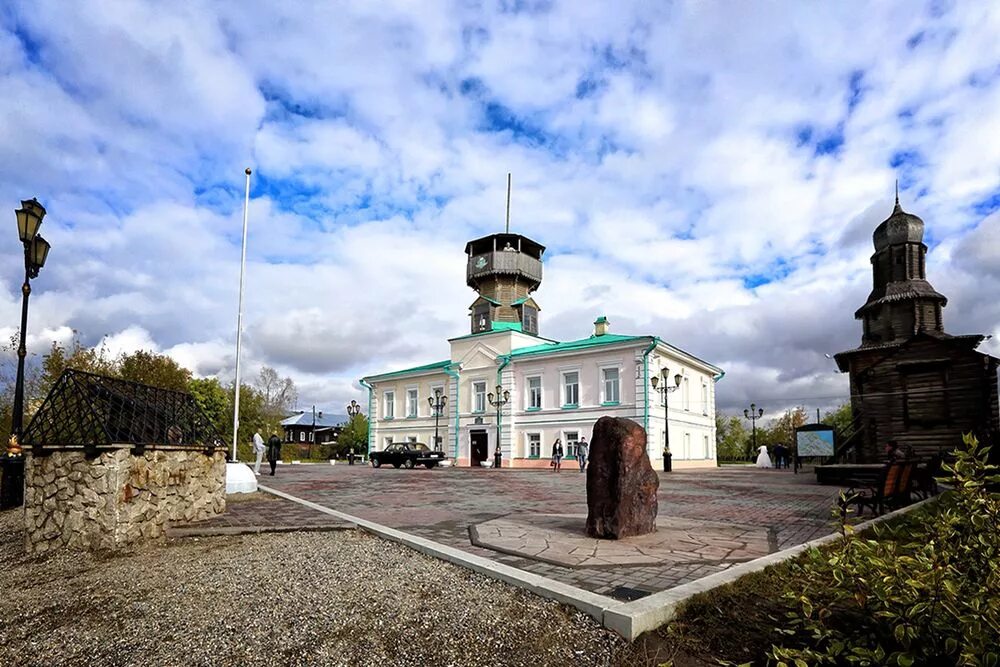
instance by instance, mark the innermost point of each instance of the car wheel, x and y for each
(408, 464)
(376, 463)
(395, 465)
(430, 465)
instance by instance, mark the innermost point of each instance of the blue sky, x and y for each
(707, 173)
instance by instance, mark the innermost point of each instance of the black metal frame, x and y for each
(89, 411)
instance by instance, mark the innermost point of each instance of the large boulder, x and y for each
(621, 483)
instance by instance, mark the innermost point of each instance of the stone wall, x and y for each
(117, 498)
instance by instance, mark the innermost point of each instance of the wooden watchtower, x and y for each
(504, 269)
(910, 381)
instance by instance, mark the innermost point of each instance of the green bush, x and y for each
(916, 593)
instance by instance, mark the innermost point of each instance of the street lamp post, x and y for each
(36, 249)
(353, 410)
(437, 404)
(664, 389)
(501, 399)
(753, 414)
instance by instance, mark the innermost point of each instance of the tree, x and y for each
(732, 437)
(154, 369)
(215, 402)
(782, 429)
(353, 434)
(277, 394)
(842, 421)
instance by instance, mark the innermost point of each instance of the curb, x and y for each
(629, 619)
(222, 531)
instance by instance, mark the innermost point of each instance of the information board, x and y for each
(814, 442)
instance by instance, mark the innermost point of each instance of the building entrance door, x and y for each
(478, 447)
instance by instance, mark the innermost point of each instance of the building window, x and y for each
(686, 394)
(534, 393)
(530, 319)
(686, 454)
(479, 397)
(611, 385)
(411, 402)
(388, 441)
(389, 410)
(481, 318)
(311, 436)
(302, 436)
(704, 399)
(411, 438)
(707, 452)
(570, 438)
(571, 389)
(534, 445)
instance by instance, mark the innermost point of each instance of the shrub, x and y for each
(923, 593)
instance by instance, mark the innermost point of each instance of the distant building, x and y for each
(910, 381)
(556, 389)
(306, 428)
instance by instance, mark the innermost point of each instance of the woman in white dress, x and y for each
(763, 460)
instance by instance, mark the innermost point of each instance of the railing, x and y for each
(847, 450)
(503, 261)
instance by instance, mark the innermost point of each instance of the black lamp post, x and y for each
(664, 389)
(437, 404)
(501, 399)
(353, 410)
(36, 249)
(753, 414)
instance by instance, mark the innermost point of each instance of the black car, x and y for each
(408, 455)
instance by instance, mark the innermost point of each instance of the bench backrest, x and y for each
(890, 486)
(904, 477)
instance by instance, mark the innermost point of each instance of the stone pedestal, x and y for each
(621, 482)
(117, 498)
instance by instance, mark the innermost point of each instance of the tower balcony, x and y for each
(503, 262)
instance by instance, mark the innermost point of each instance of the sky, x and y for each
(706, 172)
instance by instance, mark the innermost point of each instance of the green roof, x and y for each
(506, 326)
(521, 300)
(436, 366)
(582, 344)
(601, 320)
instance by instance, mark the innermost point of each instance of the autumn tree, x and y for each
(782, 429)
(732, 437)
(154, 369)
(354, 435)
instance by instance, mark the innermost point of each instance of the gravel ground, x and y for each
(343, 598)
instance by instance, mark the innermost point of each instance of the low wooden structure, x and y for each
(910, 381)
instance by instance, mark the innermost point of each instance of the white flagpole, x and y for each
(239, 317)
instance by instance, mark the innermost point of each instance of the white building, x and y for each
(553, 389)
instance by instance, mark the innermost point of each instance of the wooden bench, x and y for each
(892, 490)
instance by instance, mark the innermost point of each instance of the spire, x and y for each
(507, 230)
(898, 208)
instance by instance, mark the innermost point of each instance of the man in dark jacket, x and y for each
(273, 451)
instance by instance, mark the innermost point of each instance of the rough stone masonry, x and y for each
(621, 483)
(117, 498)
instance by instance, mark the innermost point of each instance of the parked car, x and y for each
(408, 455)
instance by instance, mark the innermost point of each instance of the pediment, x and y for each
(480, 356)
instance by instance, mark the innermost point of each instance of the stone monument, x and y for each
(621, 482)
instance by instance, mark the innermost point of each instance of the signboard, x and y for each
(817, 441)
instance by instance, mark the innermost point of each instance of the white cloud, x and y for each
(669, 157)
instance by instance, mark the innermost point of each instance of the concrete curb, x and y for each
(629, 619)
(223, 531)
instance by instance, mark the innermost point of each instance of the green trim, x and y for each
(490, 333)
(645, 385)
(436, 366)
(582, 344)
(453, 374)
(504, 359)
(388, 419)
(412, 417)
(533, 457)
(532, 409)
(601, 320)
(506, 326)
(571, 406)
(371, 397)
(606, 404)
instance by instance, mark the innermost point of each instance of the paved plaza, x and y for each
(533, 519)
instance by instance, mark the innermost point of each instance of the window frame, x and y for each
(566, 404)
(475, 396)
(605, 399)
(529, 393)
(412, 400)
(389, 404)
(533, 453)
(569, 450)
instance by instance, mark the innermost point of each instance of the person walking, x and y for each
(779, 455)
(258, 450)
(582, 451)
(557, 454)
(273, 451)
(763, 460)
